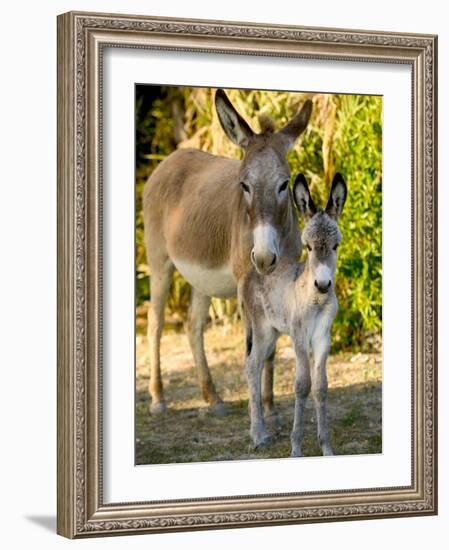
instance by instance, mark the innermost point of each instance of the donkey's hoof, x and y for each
(274, 419)
(327, 451)
(296, 453)
(218, 409)
(264, 443)
(160, 407)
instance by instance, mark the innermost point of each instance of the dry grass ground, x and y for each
(188, 433)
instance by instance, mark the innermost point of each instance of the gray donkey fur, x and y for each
(297, 299)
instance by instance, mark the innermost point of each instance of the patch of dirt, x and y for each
(189, 433)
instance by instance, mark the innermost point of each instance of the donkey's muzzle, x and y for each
(264, 263)
(323, 286)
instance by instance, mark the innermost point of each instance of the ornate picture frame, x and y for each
(82, 38)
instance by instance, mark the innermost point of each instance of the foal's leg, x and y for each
(160, 286)
(198, 312)
(262, 342)
(302, 390)
(321, 348)
(271, 414)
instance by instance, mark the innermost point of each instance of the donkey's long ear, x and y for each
(302, 198)
(292, 130)
(337, 196)
(232, 123)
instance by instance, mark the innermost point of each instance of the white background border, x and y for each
(123, 482)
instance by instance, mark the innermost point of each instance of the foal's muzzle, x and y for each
(323, 286)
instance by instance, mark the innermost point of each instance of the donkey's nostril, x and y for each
(274, 261)
(253, 256)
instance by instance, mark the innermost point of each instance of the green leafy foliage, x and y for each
(344, 134)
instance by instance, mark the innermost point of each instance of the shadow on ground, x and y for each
(189, 433)
(46, 522)
(194, 435)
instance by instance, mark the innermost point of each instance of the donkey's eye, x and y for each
(283, 187)
(309, 248)
(244, 186)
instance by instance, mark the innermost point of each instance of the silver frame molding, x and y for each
(81, 39)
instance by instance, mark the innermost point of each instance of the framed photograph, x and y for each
(247, 274)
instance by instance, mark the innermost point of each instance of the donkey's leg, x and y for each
(262, 343)
(302, 390)
(319, 391)
(271, 414)
(198, 312)
(160, 286)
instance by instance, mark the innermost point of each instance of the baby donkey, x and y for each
(297, 299)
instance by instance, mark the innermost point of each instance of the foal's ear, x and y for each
(337, 196)
(302, 198)
(235, 127)
(293, 129)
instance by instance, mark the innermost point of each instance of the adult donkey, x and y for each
(210, 217)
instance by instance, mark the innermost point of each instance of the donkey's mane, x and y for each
(267, 125)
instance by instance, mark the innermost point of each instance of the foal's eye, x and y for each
(336, 246)
(309, 248)
(244, 186)
(283, 187)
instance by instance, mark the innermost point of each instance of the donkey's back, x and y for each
(189, 202)
(188, 170)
